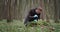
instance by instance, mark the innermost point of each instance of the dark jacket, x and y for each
(30, 15)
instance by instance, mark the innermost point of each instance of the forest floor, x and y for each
(18, 26)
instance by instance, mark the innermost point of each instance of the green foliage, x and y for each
(17, 26)
(0, 19)
(39, 23)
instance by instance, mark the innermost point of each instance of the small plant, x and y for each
(38, 23)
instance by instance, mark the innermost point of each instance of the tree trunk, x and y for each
(56, 12)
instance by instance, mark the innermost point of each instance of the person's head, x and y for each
(38, 10)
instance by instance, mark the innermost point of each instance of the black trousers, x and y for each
(27, 20)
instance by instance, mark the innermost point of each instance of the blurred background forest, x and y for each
(18, 9)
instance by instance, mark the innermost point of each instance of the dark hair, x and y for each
(39, 9)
